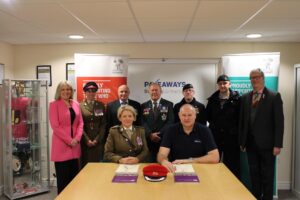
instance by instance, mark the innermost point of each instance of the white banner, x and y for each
(172, 75)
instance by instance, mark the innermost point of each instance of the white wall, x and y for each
(6, 58)
(27, 57)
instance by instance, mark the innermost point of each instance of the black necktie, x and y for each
(123, 103)
(155, 106)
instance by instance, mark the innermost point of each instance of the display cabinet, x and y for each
(26, 168)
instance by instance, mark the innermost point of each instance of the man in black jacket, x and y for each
(188, 97)
(222, 114)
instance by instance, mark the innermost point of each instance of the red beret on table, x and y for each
(155, 172)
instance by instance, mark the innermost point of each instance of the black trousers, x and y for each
(230, 151)
(261, 167)
(231, 158)
(65, 172)
(153, 149)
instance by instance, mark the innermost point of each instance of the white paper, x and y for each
(184, 169)
(127, 169)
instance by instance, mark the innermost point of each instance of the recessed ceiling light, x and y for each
(254, 35)
(76, 37)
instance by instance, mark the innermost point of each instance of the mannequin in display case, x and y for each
(20, 129)
(26, 166)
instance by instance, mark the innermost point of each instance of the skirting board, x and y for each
(296, 193)
(53, 182)
(284, 185)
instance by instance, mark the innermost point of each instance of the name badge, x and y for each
(197, 141)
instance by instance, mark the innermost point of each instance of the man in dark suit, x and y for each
(157, 113)
(261, 133)
(112, 107)
(188, 97)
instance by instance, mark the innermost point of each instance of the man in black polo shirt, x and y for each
(187, 142)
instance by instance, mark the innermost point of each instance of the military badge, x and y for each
(197, 110)
(146, 111)
(139, 141)
(164, 116)
(98, 112)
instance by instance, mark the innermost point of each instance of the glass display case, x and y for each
(26, 167)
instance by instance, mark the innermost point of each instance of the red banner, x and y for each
(108, 87)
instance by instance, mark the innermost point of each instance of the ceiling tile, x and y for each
(155, 9)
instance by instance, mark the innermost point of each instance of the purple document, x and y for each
(186, 178)
(125, 179)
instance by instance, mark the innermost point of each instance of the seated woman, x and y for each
(126, 144)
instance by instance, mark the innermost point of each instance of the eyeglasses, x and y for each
(255, 77)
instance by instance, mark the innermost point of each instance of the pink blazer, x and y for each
(60, 121)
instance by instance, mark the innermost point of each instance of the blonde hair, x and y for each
(126, 108)
(59, 87)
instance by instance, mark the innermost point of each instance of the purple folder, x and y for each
(125, 179)
(186, 178)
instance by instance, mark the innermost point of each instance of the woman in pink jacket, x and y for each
(67, 125)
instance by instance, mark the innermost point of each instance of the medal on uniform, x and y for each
(98, 112)
(164, 116)
(139, 141)
(164, 112)
(146, 111)
(164, 109)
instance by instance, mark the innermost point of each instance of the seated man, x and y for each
(187, 142)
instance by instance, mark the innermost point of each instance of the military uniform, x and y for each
(112, 112)
(199, 107)
(156, 122)
(94, 118)
(119, 145)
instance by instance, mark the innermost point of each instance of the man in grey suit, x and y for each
(157, 113)
(261, 129)
(112, 107)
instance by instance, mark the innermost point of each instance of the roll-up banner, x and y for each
(108, 71)
(172, 75)
(238, 67)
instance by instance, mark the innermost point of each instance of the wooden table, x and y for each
(95, 182)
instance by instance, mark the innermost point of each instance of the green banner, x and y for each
(238, 68)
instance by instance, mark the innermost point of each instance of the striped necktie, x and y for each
(255, 98)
